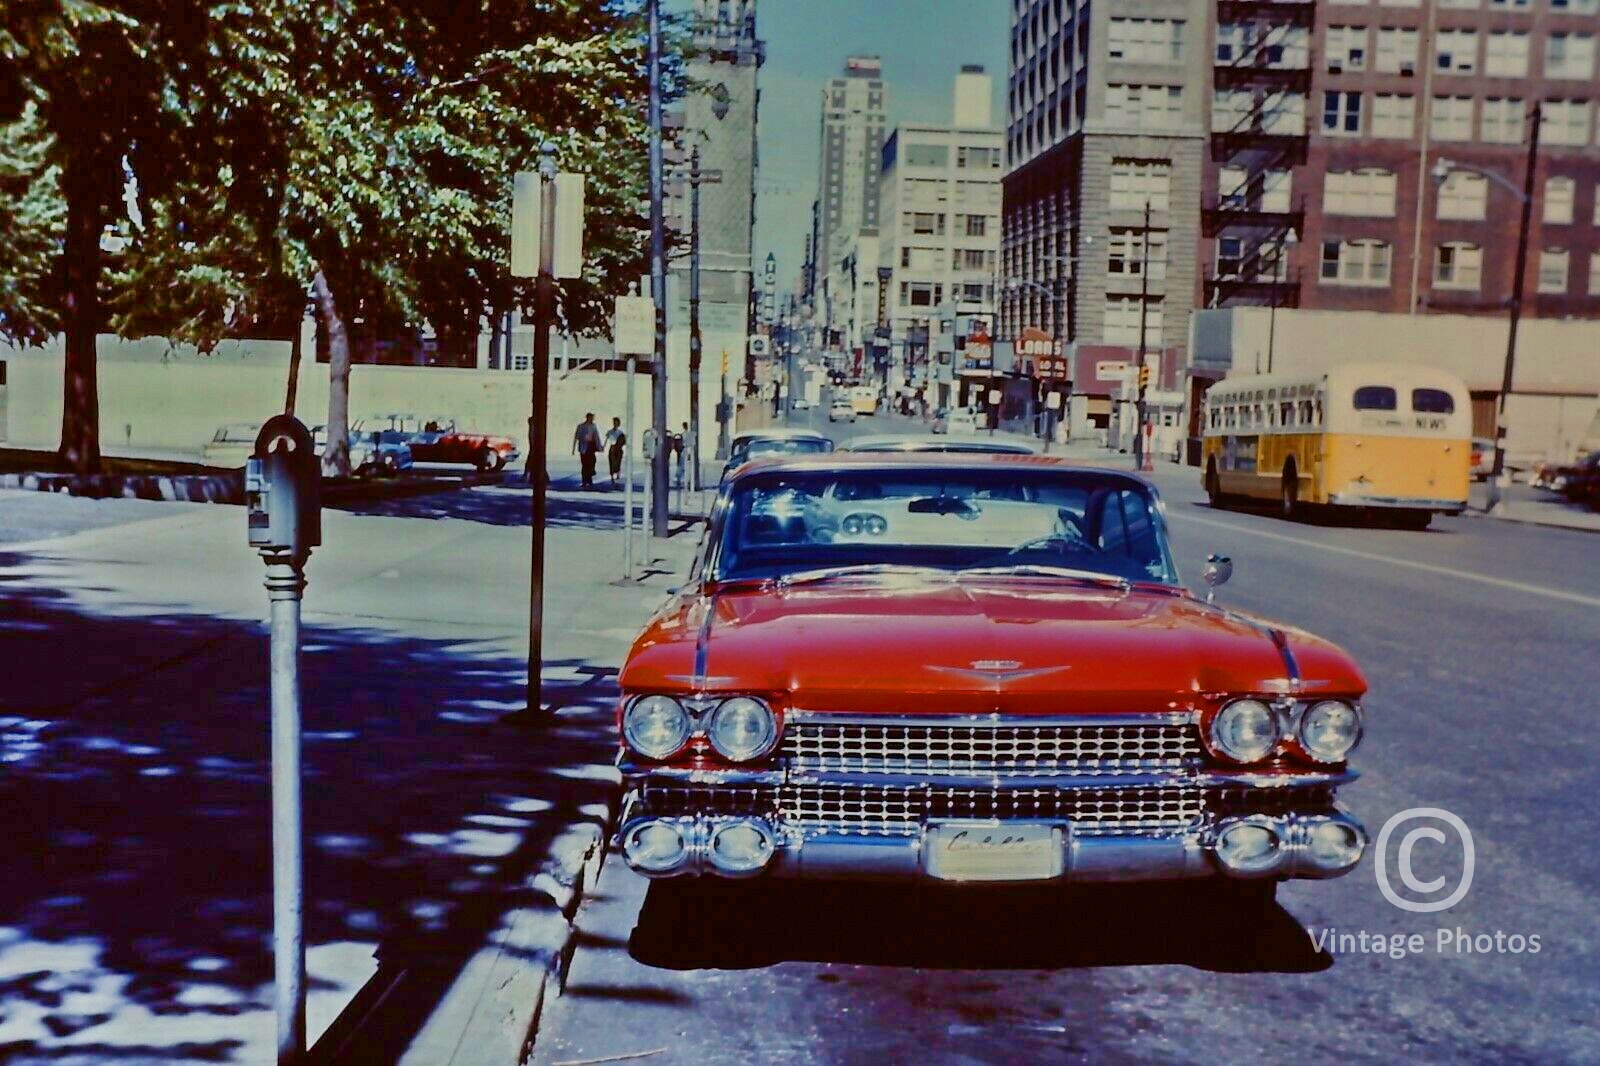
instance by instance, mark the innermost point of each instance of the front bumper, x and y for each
(1291, 812)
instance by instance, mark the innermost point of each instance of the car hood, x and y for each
(975, 647)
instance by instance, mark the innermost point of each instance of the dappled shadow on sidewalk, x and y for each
(508, 504)
(741, 925)
(137, 902)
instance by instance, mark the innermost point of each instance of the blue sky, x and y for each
(923, 43)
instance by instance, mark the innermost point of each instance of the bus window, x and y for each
(1375, 398)
(1286, 413)
(1432, 402)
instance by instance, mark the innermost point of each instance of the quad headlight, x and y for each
(1245, 731)
(1329, 730)
(656, 727)
(742, 729)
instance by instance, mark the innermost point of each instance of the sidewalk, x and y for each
(1530, 506)
(446, 834)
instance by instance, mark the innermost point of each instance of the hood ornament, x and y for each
(1000, 669)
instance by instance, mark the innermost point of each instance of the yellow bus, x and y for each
(864, 399)
(1378, 436)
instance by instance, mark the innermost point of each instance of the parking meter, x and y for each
(283, 491)
(650, 444)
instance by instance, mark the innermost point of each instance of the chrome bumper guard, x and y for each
(1304, 844)
(1410, 503)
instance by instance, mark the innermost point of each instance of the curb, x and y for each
(490, 1012)
(1539, 522)
(228, 488)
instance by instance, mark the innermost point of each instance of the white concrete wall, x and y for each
(160, 399)
(1554, 395)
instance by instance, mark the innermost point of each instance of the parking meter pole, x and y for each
(538, 443)
(627, 479)
(285, 584)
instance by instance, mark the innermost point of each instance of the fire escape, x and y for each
(1262, 81)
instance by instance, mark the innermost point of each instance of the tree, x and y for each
(117, 90)
(33, 219)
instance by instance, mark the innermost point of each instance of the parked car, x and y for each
(1569, 479)
(373, 453)
(911, 442)
(799, 403)
(1482, 458)
(438, 440)
(961, 420)
(232, 445)
(975, 669)
(753, 443)
(841, 409)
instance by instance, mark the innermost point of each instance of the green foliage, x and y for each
(32, 217)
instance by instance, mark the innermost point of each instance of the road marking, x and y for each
(1430, 568)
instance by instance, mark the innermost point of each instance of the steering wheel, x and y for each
(1069, 538)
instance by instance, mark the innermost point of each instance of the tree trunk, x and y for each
(294, 365)
(336, 454)
(81, 318)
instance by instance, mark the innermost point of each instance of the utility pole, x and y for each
(1518, 280)
(1144, 311)
(697, 177)
(658, 283)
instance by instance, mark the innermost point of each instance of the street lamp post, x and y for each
(1139, 405)
(1441, 170)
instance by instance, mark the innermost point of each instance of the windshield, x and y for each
(786, 522)
(781, 446)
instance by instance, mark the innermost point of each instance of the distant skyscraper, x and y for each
(853, 109)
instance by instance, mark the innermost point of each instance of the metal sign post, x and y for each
(546, 241)
(283, 508)
(634, 329)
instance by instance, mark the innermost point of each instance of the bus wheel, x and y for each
(1413, 520)
(1213, 485)
(1289, 497)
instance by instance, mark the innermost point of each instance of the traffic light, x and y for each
(1144, 378)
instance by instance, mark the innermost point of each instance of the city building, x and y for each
(1106, 116)
(939, 247)
(853, 116)
(1355, 148)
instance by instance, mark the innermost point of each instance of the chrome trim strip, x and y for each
(998, 782)
(1353, 499)
(636, 773)
(702, 643)
(998, 721)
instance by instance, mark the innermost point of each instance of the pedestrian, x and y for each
(586, 443)
(616, 441)
(678, 451)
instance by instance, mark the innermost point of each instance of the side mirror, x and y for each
(1219, 568)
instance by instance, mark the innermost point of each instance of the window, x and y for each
(1565, 122)
(926, 224)
(1145, 40)
(1135, 182)
(1463, 195)
(1122, 321)
(1152, 106)
(1558, 196)
(1462, 4)
(977, 225)
(1507, 54)
(1347, 48)
(927, 155)
(974, 292)
(1576, 7)
(1368, 192)
(905, 257)
(918, 294)
(973, 259)
(1569, 55)
(1266, 190)
(1375, 398)
(1397, 51)
(1341, 114)
(1502, 120)
(1432, 402)
(1452, 118)
(1363, 263)
(1127, 253)
(1594, 273)
(977, 158)
(1456, 51)
(1553, 267)
(1394, 115)
(1458, 266)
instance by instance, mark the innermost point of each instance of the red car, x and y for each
(437, 440)
(974, 668)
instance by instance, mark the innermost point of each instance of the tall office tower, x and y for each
(1106, 114)
(1351, 145)
(853, 108)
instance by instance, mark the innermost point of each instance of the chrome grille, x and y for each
(1001, 745)
(904, 809)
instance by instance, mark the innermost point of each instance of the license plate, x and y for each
(993, 851)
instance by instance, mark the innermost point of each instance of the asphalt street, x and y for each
(1478, 639)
